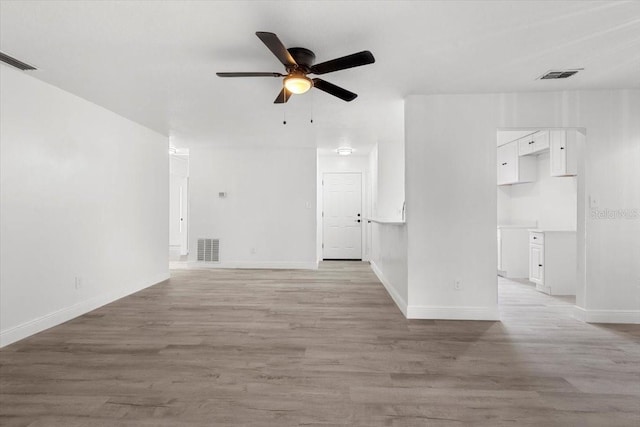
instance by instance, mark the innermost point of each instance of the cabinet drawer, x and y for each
(537, 238)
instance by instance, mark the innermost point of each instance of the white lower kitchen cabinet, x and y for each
(552, 261)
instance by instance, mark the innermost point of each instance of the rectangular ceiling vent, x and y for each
(559, 74)
(15, 63)
(209, 250)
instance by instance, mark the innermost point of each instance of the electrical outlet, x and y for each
(253, 251)
(457, 285)
(78, 282)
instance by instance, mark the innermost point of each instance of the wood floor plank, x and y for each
(318, 348)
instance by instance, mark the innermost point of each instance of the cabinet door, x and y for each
(558, 153)
(536, 263)
(541, 141)
(508, 163)
(525, 146)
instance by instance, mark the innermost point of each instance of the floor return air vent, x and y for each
(209, 250)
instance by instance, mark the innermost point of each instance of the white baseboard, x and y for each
(397, 298)
(453, 313)
(266, 265)
(56, 318)
(606, 316)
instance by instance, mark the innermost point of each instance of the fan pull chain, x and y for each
(284, 117)
(311, 107)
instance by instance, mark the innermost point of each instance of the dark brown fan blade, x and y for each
(355, 60)
(277, 48)
(249, 75)
(334, 90)
(283, 96)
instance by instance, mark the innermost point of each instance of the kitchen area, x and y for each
(537, 207)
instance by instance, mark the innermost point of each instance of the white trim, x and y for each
(391, 290)
(58, 317)
(606, 316)
(452, 313)
(261, 265)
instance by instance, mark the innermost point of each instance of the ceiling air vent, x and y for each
(15, 63)
(209, 250)
(559, 74)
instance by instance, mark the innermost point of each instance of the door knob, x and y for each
(358, 214)
(357, 220)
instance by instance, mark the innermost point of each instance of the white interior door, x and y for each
(178, 203)
(342, 216)
(184, 205)
(174, 209)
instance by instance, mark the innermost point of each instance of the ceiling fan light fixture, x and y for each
(297, 83)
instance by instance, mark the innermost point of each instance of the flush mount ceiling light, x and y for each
(344, 151)
(298, 83)
(172, 149)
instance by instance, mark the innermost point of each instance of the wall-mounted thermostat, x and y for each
(222, 194)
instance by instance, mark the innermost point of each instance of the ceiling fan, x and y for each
(298, 63)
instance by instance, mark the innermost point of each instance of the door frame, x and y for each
(582, 210)
(362, 195)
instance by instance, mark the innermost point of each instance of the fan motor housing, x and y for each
(304, 57)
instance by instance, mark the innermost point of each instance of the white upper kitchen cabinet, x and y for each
(512, 168)
(535, 143)
(564, 155)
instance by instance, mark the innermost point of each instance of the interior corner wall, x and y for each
(84, 206)
(267, 219)
(389, 241)
(451, 197)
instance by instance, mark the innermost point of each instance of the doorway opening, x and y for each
(540, 216)
(178, 205)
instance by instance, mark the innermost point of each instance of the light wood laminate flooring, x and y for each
(318, 348)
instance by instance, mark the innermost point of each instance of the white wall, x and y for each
(390, 182)
(451, 206)
(451, 197)
(84, 194)
(551, 202)
(389, 260)
(389, 241)
(342, 164)
(268, 218)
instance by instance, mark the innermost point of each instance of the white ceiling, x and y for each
(155, 62)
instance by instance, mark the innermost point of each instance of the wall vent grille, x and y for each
(15, 63)
(559, 74)
(209, 250)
